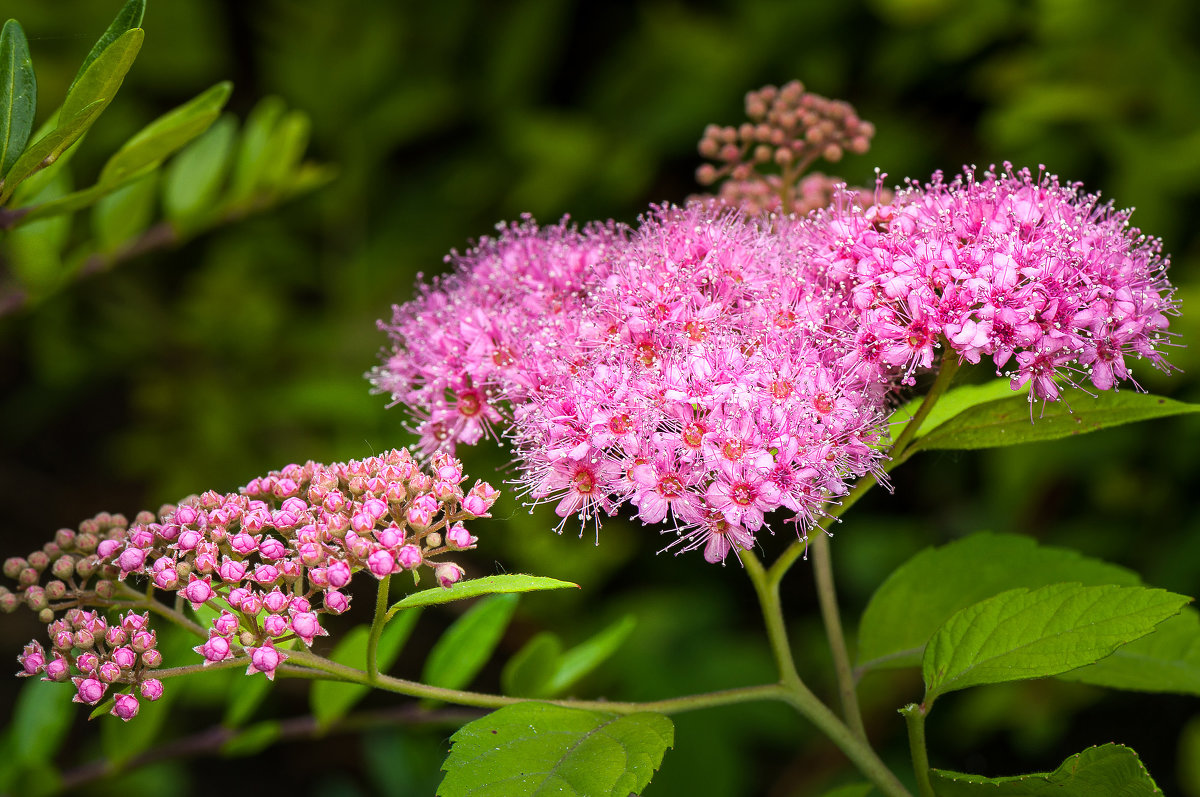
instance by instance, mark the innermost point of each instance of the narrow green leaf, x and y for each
(245, 696)
(460, 653)
(850, 790)
(125, 213)
(1109, 770)
(194, 177)
(1167, 660)
(253, 740)
(40, 721)
(254, 152)
(472, 588)
(529, 671)
(925, 591)
(166, 135)
(1008, 421)
(1024, 633)
(289, 140)
(587, 656)
(332, 700)
(534, 748)
(47, 149)
(104, 76)
(18, 94)
(129, 17)
(956, 400)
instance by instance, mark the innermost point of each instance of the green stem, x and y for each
(827, 598)
(377, 625)
(914, 717)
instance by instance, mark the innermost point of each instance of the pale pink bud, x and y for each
(108, 672)
(87, 661)
(251, 604)
(275, 600)
(457, 536)
(151, 658)
(448, 573)
(151, 689)
(143, 640)
(318, 577)
(32, 660)
(298, 605)
(362, 522)
(409, 557)
(166, 579)
(310, 554)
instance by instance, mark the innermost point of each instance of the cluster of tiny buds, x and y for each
(268, 561)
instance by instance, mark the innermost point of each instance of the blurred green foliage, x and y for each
(203, 367)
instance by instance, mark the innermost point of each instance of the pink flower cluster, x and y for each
(490, 333)
(1034, 274)
(267, 561)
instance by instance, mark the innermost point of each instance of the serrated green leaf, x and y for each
(165, 135)
(254, 151)
(125, 213)
(460, 653)
(529, 671)
(18, 94)
(955, 401)
(1167, 660)
(1008, 421)
(1022, 633)
(47, 149)
(253, 740)
(925, 591)
(129, 17)
(245, 696)
(194, 177)
(40, 721)
(331, 700)
(588, 655)
(103, 76)
(122, 741)
(472, 588)
(535, 749)
(1110, 770)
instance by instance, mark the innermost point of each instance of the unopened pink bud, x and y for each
(88, 690)
(124, 657)
(125, 707)
(214, 650)
(266, 574)
(339, 574)
(298, 605)
(381, 563)
(389, 537)
(265, 659)
(87, 661)
(151, 689)
(151, 658)
(336, 602)
(131, 560)
(448, 573)
(272, 549)
(409, 557)
(226, 624)
(275, 625)
(231, 571)
(186, 515)
(108, 672)
(188, 540)
(307, 626)
(143, 640)
(57, 669)
(243, 543)
(198, 591)
(458, 537)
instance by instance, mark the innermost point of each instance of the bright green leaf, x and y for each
(289, 140)
(460, 653)
(18, 94)
(194, 177)
(128, 18)
(534, 748)
(529, 671)
(1024, 633)
(166, 135)
(472, 588)
(925, 591)
(1167, 660)
(1109, 770)
(47, 149)
(955, 400)
(125, 213)
(40, 721)
(104, 76)
(253, 740)
(254, 152)
(331, 700)
(588, 655)
(1008, 421)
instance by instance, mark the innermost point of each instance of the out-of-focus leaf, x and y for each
(534, 748)
(253, 740)
(128, 18)
(541, 669)
(18, 94)
(331, 700)
(1110, 769)
(125, 213)
(122, 741)
(194, 177)
(1167, 660)
(245, 696)
(850, 790)
(35, 249)
(460, 653)
(40, 722)
(104, 76)
(588, 655)
(474, 587)
(254, 152)
(925, 591)
(47, 149)
(1007, 422)
(1022, 633)
(529, 671)
(288, 143)
(166, 135)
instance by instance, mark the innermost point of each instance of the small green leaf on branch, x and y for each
(18, 94)
(1110, 770)
(473, 588)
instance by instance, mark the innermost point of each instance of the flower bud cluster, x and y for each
(762, 160)
(270, 561)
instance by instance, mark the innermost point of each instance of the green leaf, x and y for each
(122, 741)
(253, 740)
(587, 656)
(245, 696)
(332, 700)
(534, 748)
(40, 721)
(1024, 633)
(289, 140)
(103, 76)
(194, 177)
(47, 149)
(166, 135)
(125, 213)
(529, 671)
(850, 790)
(35, 249)
(1008, 421)
(925, 591)
(254, 152)
(1109, 770)
(954, 401)
(18, 94)
(1167, 660)
(128, 18)
(460, 653)
(471, 588)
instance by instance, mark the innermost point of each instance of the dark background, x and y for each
(203, 367)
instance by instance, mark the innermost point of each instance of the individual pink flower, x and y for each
(265, 659)
(88, 690)
(125, 706)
